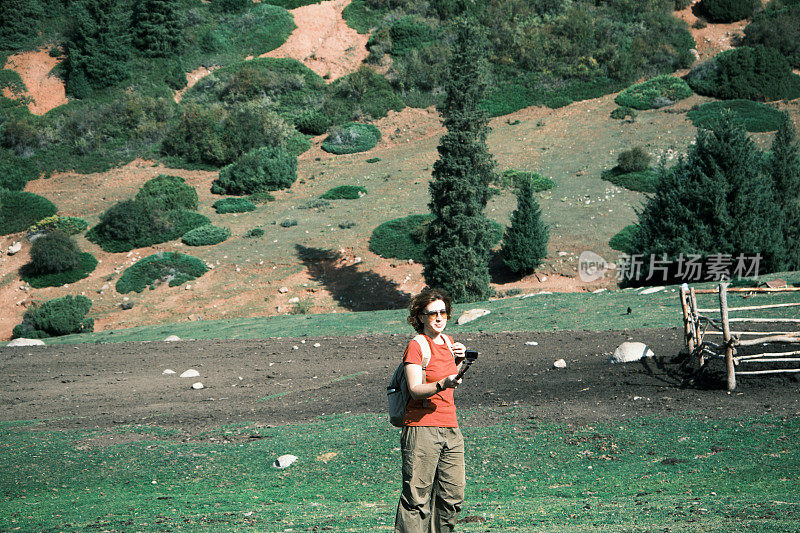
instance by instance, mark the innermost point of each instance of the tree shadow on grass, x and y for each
(499, 272)
(353, 289)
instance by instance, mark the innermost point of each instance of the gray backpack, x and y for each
(397, 391)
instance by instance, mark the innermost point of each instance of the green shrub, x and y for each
(298, 144)
(750, 73)
(373, 160)
(231, 6)
(288, 223)
(345, 192)
(234, 205)
(20, 209)
(206, 235)
(622, 113)
(352, 138)
(511, 179)
(137, 223)
(53, 252)
(254, 233)
(753, 116)
(625, 240)
(169, 193)
(361, 17)
(777, 27)
(68, 225)
(404, 238)
(171, 268)
(85, 266)
(261, 197)
(313, 122)
(727, 10)
(634, 160)
(16, 172)
(364, 92)
(641, 181)
(263, 169)
(60, 316)
(658, 92)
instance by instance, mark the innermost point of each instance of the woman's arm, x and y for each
(420, 390)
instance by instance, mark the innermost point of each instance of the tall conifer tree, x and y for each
(458, 244)
(784, 170)
(525, 240)
(157, 27)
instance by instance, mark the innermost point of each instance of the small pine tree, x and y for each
(458, 243)
(783, 169)
(97, 45)
(157, 27)
(525, 240)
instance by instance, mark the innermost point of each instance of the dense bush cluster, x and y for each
(778, 27)
(60, 316)
(54, 252)
(85, 266)
(169, 268)
(159, 213)
(753, 116)
(351, 138)
(514, 178)
(634, 160)
(345, 192)
(727, 10)
(633, 171)
(660, 91)
(206, 235)
(234, 205)
(16, 172)
(625, 240)
(749, 72)
(263, 169)
(20, 209)
(362, 94)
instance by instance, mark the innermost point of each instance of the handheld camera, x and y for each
(470, 356)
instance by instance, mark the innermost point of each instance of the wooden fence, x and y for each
(700, 328)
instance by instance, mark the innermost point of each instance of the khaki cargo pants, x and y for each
(433, 480)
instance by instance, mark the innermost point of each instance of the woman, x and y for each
(431, 442)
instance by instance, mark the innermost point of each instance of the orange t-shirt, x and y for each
(440, 409)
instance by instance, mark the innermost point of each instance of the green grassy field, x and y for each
(639, 475)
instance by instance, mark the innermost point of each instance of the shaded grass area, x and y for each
(527, 312)
(753, 116)
(643, 474)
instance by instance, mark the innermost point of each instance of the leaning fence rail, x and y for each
(698, 325)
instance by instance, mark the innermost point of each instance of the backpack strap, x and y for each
(425, 348)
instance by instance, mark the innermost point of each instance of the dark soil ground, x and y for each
(280, 381)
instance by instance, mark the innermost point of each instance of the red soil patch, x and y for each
(45, 90)
(323, 41)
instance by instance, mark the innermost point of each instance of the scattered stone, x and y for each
(198, 386)
(531, 343)
(188, 286)
(630, 351)
(125, 306)
(26, 342)
(283, 290)
(471, 314)
(294, 300)
(191, 373)
(652, 290)
(172, 338)
(560, 364)
(357, 260)
(168, 372)
(598, 291)
(14, 248)
(284, 461)
(317, 345)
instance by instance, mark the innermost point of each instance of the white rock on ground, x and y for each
(284, 461)
(471, 314)
(14, 248)
(630, 351)
(172, 338)
(191, 373)
(532, 343)
(198, 386)
(168, 372)
(560, 364)
(26, 342)
(652, 290)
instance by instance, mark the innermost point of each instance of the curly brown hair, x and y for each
(421, 301)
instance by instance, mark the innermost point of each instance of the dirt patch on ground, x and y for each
(713, 38)
(323, 41)
(45, 90)
(280, 381)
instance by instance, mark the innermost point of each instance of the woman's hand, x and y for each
(450, 382)
(458, 350)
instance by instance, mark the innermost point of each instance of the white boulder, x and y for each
(471, 314)
(191, 373)
(168, 372)
(652, 290)
(628, 352)
(26, 342)
(560, 364)
(198, 386)
(172, 338)
(14, 248)
(284, 461)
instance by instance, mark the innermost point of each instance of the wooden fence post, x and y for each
(726, 335)
(688, 330)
